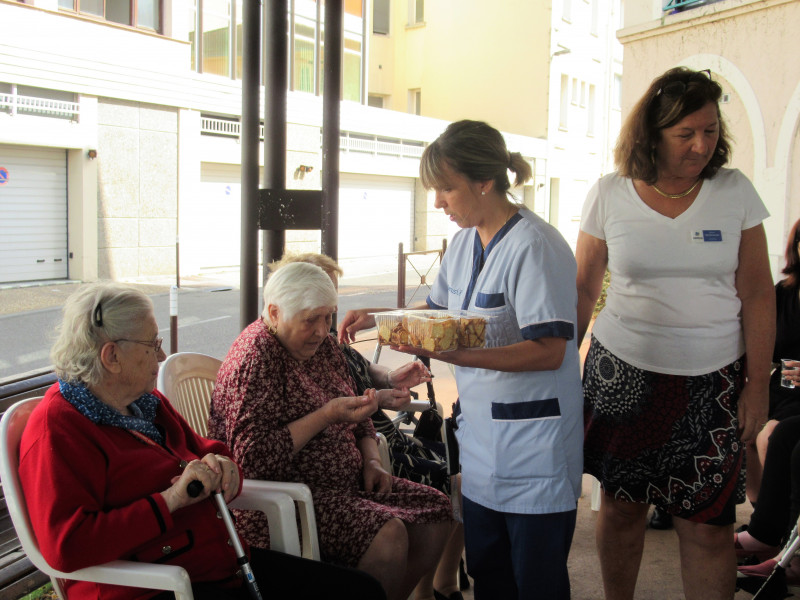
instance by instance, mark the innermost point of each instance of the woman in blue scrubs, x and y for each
(519, 414)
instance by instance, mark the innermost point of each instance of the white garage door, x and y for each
(210, 230)
(33, 213)
(375, 215)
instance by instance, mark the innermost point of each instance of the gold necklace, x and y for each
(676, 196)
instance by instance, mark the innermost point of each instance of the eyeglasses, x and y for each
(154, 344)
(675, 89)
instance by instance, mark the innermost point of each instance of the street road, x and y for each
(208, 322)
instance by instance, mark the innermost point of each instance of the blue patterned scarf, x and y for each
(144, 409)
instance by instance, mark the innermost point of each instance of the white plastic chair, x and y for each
(187, 380)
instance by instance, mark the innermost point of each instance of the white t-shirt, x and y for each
(672, 305)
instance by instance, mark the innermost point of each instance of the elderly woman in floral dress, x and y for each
(284, 403)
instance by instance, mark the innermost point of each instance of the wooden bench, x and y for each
(17, 575)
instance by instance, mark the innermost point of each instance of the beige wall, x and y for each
(750, 47)
(137, 193)
(469, 62)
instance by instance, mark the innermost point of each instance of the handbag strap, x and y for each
(431, 394)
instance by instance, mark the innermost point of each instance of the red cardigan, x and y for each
(93, 494)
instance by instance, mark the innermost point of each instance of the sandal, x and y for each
(743, 553)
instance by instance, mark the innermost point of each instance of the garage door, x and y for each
(33, 213)
(375, 215)
(210, 231)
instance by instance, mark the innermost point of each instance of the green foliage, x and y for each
(601, 301)
(43, 593)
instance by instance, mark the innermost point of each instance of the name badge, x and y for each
(706, 235)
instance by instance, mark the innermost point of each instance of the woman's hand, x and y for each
(230, 476)
(376, 479)
(354, 321)
(752, 412)
(409, 375)
(793, 373)
(351, 409)
(392, 399)
(177, 495)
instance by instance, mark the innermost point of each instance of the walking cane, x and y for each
(194, 489)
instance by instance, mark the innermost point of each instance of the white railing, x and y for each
(348, 141)
(45, 107)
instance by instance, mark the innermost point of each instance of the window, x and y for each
(616, 95)
(566, 11)
(583, 93)
(562, 119)
(216, 37)
(575, 91)
(593, 24)
(415, 102)
(416, 12)
(219, 50)
(145, 14)
(591, 112)
(375, 101)
(380, 17)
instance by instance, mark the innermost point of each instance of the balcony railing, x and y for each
(348, 141)
(14, 104)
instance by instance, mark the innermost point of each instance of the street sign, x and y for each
(3, 176)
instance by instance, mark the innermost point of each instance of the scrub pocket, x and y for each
(527, 439)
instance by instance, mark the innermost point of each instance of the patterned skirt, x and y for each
(668, 440)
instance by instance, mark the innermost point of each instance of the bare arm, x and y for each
(755, 289)
(338, 410)
(356, 320)
(591, 254)
(543, 354)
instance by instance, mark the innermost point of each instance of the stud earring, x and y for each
(483, 193)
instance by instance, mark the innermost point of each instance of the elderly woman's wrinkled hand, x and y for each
(376, 479)
(229, 485)
(177, 495)
(352, 409)
(409, 375)
(393, 399)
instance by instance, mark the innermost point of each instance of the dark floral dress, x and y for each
(260, 389)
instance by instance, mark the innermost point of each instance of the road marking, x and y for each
(163, 330)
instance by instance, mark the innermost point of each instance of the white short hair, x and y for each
(95, 314)
(296, 287)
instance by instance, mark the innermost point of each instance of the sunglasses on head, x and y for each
(675, 89)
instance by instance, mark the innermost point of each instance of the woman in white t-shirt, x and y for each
(677, 372)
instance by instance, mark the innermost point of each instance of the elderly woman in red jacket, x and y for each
(105, 462)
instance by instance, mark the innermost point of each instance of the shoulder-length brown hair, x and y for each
(792, 268)
(671, 97)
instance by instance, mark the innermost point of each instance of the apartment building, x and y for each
(750, 48)
(119, 123)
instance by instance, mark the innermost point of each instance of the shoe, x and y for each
(765, 569)
(463, 580)
(660, 519)
(746, 555)
(454, 596)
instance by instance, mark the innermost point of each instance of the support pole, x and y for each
(276, 78)
(251, 62)
(332, 93)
